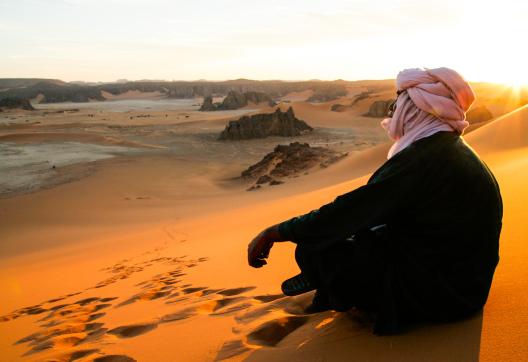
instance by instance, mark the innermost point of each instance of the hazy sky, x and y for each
(104, 40)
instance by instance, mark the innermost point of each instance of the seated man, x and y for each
(419, 241)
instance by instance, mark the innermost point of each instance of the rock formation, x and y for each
(328, 92)
(52, 90)
(207, 104)
(11, 103)
(236, 100)
(361, 96)
(338, 107)
(478, 115)
(289, 161)
(233, 100)
(263, 125)
(379, 109)
(358, 97)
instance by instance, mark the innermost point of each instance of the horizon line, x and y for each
(125, 80)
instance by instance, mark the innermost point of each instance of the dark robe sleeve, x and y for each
(392, 189)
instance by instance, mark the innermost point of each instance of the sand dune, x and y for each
(507, 132)
(503, 144)
(162, 275)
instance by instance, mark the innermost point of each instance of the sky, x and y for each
(106, 40)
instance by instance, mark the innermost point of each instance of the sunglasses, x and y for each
(392, 106)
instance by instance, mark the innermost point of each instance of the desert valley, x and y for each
(126, 210)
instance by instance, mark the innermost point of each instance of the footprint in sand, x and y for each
(68, 325)
(272, 332)
(180, 315)
(114, 358)
(75, 355)
(230, 302)
(212, 308)
(232, 309)
(54, 300)
(132, 330)
(86, 301)
(31, 310)
(266, 298)
(290, 305)
(222, 303)
(268, 334)
(193, 289)
(146, 295)
(236, 291)
(160, 286)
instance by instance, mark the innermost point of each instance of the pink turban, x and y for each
(434, 100)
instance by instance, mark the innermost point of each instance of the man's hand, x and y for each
(260, 246)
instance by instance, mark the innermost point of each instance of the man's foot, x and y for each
(320, 303)
(296, 285)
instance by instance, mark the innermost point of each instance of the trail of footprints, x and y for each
(74, 325)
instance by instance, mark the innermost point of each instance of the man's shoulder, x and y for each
(421, 154)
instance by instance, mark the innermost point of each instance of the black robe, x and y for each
(443, 211)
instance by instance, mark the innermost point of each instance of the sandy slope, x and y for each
(174, 285)
(504, 146)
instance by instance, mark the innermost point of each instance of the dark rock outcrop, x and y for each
(52, 90)
(360, 97)
(12, 103)
(233, 100)
(328, 92)
(207, 104)
(236, 100)
(478, 115)
(338, 107)
(263, 125)
(289, 161)
(379, 109)
(257, 97)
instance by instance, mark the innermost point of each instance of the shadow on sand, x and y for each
(342, 337)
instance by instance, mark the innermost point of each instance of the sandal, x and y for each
(296, 285)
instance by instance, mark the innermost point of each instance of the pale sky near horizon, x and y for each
(105, 40)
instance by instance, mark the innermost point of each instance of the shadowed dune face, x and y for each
(342, 337)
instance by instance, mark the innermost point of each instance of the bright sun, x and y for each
(495, 51)
(516, 81)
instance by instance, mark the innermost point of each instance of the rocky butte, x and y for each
(13, 102)
(379, 108)
(289, 161)
(263, 125)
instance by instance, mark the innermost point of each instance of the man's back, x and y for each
(448, 243)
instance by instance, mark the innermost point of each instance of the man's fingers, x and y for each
(253, 258)
(258, 263)
(266, 250)
(258, 251)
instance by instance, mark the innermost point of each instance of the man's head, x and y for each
(440, 91)
(428, 101)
